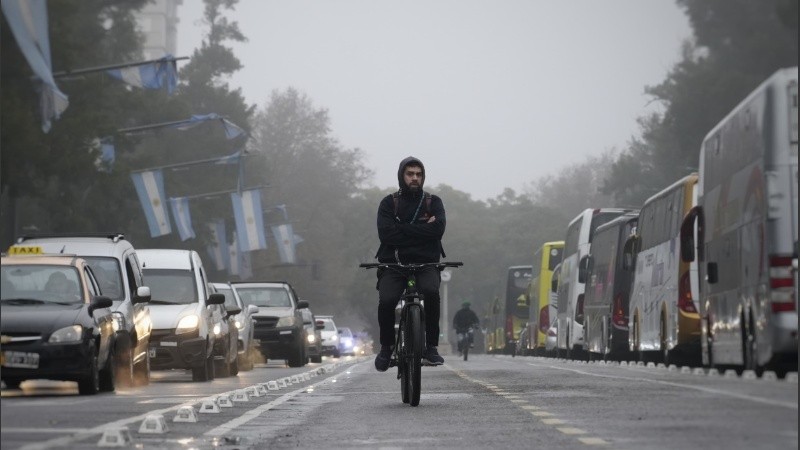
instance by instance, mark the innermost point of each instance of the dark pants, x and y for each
(391, 286)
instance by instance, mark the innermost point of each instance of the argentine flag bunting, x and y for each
(285, 238)
(249, 220)
(150, 189)
(218, 247)
(183, 219)
(153, 75)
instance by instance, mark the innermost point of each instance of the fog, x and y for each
(488, 95)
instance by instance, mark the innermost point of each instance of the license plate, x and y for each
(151, 352)
(21, 360)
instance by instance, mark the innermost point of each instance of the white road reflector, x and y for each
(699, 371)
(260, 391)
(115, 437)
(749, 374)
(296, 379)
(185, 414)
(273, 385)
(224, 401)
(154, 424)
(241, 396)
(209, 406)
(282, 383)
(730, 373)
(252, 391)
(306, 376)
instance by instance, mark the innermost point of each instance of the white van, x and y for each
(186, 318)
(746, 218)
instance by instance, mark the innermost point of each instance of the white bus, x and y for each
(664, 323)
(747, 231)
(569, 341)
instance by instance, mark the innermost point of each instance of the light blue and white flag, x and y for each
(158, 74)
(285, 238)
(248, 215)
(218, 247)
(231, 129)
(182, 216)
(28, 22)
(150, 189)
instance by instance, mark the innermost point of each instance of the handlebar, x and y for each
(438, 265)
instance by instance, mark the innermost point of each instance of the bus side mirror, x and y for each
(712, 276)
(629, 253)
(688, 244)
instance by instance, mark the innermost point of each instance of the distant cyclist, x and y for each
(464, 319)
(411, 224)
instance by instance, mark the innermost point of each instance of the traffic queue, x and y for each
(703, 273)
(91, 309)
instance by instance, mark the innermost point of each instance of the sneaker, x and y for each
(383, 359)
(432, 357)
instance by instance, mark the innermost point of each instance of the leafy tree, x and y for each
(49, 181)
(737, 45)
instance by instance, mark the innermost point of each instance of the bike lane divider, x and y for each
(543, 416)
(72, 440)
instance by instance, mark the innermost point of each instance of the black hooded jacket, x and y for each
(403, 236)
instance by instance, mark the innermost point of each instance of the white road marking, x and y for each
(571, 430)
(592, 441)
(11, 430)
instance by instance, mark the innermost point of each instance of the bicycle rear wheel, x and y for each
(413, 364)
(465, 351)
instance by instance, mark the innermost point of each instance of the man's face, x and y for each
(412, 176)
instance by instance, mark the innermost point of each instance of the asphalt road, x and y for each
(486, 402)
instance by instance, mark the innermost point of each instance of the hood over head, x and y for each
(408, 161)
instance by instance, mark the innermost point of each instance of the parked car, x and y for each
(116, 268)
(330, 336)
(313, 336)
(186, 317)
(55, 324)
(226, 344)
(278, 324)
(244, 323)
(346, 341)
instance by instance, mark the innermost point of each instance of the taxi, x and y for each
(55, 323)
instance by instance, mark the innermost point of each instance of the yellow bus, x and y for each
(541, 298)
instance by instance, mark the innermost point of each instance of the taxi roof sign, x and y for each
(25, 250)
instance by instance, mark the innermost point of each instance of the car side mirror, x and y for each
(252, 309)
(99, 302)
(302, 304)
(142, 295)
(232, 310)
(216, 299)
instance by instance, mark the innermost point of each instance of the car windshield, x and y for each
(265, 296)
(108, 275)
(171, 286)
(345, 332)
(36, 284)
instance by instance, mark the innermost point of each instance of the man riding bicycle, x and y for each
(411, 224)
(464, 319)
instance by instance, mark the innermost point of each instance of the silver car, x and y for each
(244, 322)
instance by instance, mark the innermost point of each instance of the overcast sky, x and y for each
(488, 94)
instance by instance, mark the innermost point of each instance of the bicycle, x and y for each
(410, 343)
(465, 339)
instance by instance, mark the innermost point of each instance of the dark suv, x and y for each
(278, 324)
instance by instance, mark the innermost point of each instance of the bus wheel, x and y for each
(665, 353)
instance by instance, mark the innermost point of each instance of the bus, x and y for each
(664, 322)
(746, 219)
(509, 312)
(541, 299)
(569, 341)
(608, 283)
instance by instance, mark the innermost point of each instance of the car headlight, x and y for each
(239, 324)
(347, 342)
(67, 334)
(217, 329)
(334, 338)
(118, 321)
(355, 348)
(287, 321)
(312, 339)
(187, 324)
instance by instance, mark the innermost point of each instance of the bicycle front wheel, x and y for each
(413, 364)
(465, 350)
